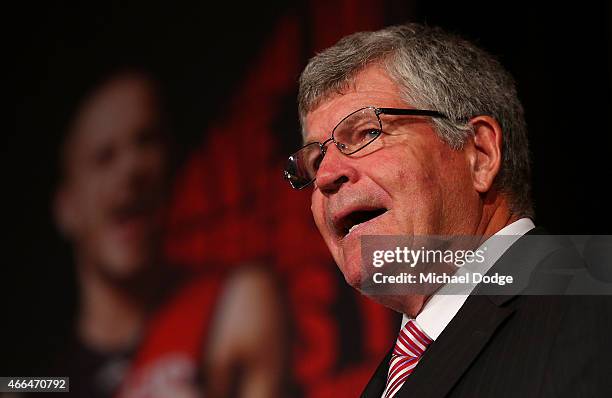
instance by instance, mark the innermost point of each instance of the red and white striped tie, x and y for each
(409, 347)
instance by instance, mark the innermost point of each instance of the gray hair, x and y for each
(435, 70)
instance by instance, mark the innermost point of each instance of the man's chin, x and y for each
(350, 268)
(354, 280)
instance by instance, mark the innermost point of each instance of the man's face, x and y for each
(409, 183)
(115, 179)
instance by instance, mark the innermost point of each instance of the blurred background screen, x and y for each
(153, 244)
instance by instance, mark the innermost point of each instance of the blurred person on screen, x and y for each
(143, 328)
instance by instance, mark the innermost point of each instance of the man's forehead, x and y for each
(371, 87)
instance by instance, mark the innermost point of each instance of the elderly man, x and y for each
(411, 131)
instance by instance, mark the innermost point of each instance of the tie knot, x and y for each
(411, 342)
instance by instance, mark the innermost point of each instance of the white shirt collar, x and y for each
(440, 309)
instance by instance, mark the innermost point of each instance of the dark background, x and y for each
(560, 56)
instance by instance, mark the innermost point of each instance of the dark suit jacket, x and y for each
(517, 345)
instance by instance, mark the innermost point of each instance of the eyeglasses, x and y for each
(355, 132)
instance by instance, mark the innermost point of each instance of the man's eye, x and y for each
(370, 134)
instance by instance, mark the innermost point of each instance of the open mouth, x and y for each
(131, 211)
(352, 220)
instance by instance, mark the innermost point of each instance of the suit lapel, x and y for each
(455, 349)
(466, 335)
(376, 385)
(448, 357)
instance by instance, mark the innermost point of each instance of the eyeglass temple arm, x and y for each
(411, 112)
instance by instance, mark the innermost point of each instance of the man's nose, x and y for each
(335, 170)
(134, 170)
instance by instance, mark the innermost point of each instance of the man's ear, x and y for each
(64, 213)
(485, 155)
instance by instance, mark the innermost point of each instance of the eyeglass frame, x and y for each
(377, 112)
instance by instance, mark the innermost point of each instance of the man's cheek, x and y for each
(318, 213)
(318, 217)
